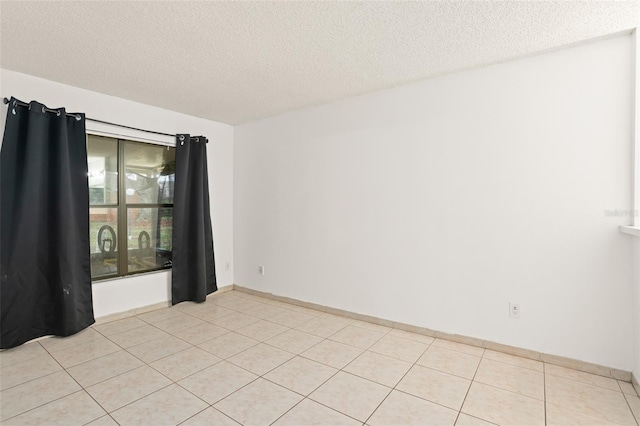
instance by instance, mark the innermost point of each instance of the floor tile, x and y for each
(634, 403)
(209, 417)
(294, 341)
(378, 368)
(84, 352)
(121, 390)
(371, 326)
(156, 349)
(228, 344)
(399, 348)
(435, 386)
(168, 406)
(274, 401)
(234, 321)
(580, 376)
(627, 388)
(310, 413)
(302, 309)
(403, 409)
(218, 381)
(185, 363)
(103, 368)
(255, 333)
(356, 336)
(75, 409)
(334, 354)
(56, 343)
(412, 336)
(136, 336)
(200, 333)
(264, 311)
(514, 360)
(448, 361)
(301, 375)
(459, 347)
(509, 377)
(503, 407)
(103, 421)
(234, 302)
(119, 326)
(213, 312)
(351, 395)
(29, 395)
(190, 308)
(320, 327)
(262, 330)
(563, 416)
(337, 318)
(290, 318)
(21, 353)
(24, 371)
(260, 359)
(467, 420)
(172, 325)
(593, 401)
(161, 315)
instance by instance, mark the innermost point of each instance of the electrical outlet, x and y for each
(261, 269)
(514, 310)
(227, 266)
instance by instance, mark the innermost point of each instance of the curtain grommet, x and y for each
(58, 113)
(13, 111)
(43, 111)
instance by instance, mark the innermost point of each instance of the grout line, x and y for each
(469, 388)
(633, 414)
(581, 382)
(395, 387)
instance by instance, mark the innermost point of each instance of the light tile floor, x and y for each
(242, 359)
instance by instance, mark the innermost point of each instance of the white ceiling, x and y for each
(235, 62)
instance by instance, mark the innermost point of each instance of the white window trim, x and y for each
(634, 228)
(113, 131)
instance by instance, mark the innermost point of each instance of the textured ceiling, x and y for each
(235, 62)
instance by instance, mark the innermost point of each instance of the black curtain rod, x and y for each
(6, 101)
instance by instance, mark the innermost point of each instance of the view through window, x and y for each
(131, 206)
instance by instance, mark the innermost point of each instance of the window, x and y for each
(130, 206)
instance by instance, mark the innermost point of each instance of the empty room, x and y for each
(379, 213)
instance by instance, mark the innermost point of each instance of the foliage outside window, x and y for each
(131, 206)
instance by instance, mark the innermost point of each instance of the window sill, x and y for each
(95, 281)
(630, 230)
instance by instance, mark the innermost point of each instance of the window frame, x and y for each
(122, 207)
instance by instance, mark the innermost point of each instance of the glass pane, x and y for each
(102, 159)
(149, 171)
(102, 238)
(149, 238)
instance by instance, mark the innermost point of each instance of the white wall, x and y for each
(142, 290)
(636, 219)
(636, 308)
(438, 203)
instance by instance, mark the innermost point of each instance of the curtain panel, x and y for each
(45, 277)
(193, 274)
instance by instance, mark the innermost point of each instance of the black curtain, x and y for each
(45, 268)
(193, 274)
